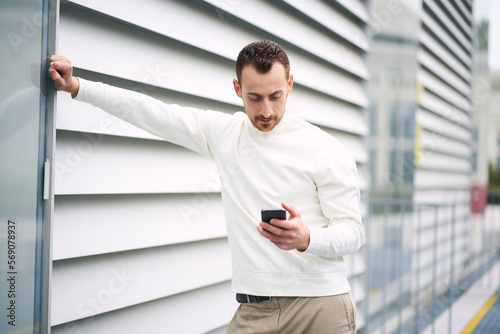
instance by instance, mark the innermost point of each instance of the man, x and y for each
(289, 275)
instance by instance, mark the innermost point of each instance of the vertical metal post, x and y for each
(496, 219)
(452, 267)
(484, 255)
(434, 267)
(368, 267)
(49, 47)
(417, 274)
(489, 233)
(384, 266)
(400, 272)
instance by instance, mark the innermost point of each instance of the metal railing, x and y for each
(420, 257)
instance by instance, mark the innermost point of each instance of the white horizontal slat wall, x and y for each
(139, 239)
(443, 171)
(445, 58)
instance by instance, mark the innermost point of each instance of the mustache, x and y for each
(260, 118)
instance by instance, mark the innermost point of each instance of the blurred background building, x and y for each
(393, 96)
(481, 119)
(493, 129)
(423, 114)
(126, 232)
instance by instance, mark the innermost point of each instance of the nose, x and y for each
(267, 110)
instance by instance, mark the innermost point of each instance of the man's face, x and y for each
(264, 95)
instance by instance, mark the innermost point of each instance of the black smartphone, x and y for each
(269, 214)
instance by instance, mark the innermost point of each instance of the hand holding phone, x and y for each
(285, 234)
(268, 214)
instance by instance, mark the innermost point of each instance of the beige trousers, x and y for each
(297, 315)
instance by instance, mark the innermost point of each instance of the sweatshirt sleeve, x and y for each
(179, 125)
(339, 197)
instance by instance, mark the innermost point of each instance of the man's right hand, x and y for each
(61, 72)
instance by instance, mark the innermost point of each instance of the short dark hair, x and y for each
(262, 55)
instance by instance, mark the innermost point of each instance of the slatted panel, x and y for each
(445, 104)
(128, 166)
(133, 221)
(441, 196)
(445, 71)
(440, 123)
(130, 204)
(166, 315)
(435, 143)
(143, 275)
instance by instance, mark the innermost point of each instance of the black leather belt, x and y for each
(241, 298)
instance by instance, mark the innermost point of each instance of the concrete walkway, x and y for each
(477, 311)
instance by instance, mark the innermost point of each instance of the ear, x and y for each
(290, 83)
(237, 88)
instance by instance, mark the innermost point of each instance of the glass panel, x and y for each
(20, 162)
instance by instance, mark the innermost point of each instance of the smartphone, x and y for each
(269, 214)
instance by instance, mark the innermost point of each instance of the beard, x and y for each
(268, 124)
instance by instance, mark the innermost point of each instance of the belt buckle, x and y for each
(267, 300)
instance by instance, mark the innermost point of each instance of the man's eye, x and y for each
(274, 98)
(255, 99)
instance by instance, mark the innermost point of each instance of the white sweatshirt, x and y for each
(295, 162)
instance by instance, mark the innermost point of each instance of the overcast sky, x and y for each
(490, 9)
